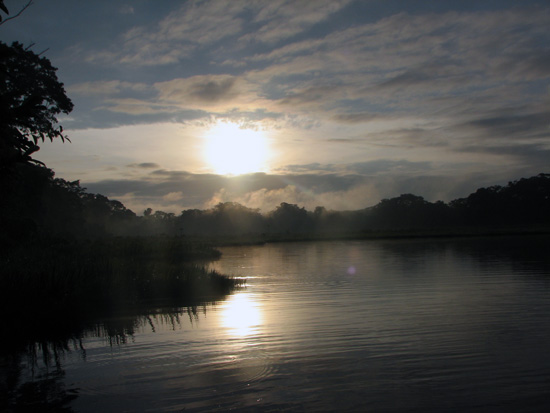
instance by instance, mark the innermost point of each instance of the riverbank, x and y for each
(452, 232)
(49, 285)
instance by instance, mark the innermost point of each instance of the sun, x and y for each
(232, 150)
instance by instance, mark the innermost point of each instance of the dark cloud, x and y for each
(314, 94)
(359, 117)
(512, 126)
(534, 155)
(311, 167)
(143, 165)
(212, 91)
(172, 174)
(382, 166)
(406, 79)
(368, 168)
(250, 116)
(105, 119)
(344, 140)
(407, 138)
(533, 66)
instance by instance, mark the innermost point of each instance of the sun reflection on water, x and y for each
(241, 315)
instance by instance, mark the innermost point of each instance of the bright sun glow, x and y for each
(241, 315)
(231, 150)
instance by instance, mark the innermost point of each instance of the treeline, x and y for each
(40, 204)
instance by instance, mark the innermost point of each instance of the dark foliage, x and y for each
(31, 97)
(523, 202)
(521, 205)
(56, 284)
(36, 204)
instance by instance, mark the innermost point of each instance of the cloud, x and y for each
(281, 19)
(173, 196)
(310, 96)
(352, 173)
(250, 118)
(143, 165)
(126, 9)
(516, 126)
(267, 200)
(105, 88)
(124, 114)
(385, 166)
(175, 99)
(529, 157)
(315, 167)
(413, 55)
(428, 87)
(136, 107)
(411, 137)
(365, 192)
(179, 34)
(404, 80)
(286, 63)
(200, 24)
(200, 91)
(361, 117)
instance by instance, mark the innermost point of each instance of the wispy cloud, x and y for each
(106, 88)
(204, 91)
(199, 24)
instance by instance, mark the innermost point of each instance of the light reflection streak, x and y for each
(241, 315)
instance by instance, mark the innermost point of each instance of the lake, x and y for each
(375, 325)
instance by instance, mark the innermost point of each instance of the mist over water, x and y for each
(382, 325)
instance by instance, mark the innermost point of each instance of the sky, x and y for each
(334, 103)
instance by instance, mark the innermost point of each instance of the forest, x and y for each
(38, 205)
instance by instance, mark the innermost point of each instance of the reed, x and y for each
(57, 284)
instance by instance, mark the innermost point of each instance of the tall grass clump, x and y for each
(59, 283)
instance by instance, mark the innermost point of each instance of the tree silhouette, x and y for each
(31, 97)
(289, 218)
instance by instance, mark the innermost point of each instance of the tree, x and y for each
(289, 218)
(407, 211)
(31, 97)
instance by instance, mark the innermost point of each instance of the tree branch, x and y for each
(18, 14)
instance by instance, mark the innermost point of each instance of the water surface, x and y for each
(385, 325)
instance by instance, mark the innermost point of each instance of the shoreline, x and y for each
(259, 239)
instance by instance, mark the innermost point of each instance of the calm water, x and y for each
(402, 325)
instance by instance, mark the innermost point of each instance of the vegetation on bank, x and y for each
(40, 205)
(59, 284)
